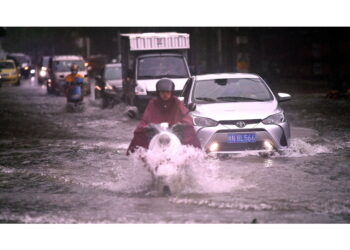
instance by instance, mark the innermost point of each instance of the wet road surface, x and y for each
(61, 167)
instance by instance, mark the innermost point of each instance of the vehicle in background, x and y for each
(95, 65)
(109, 85)
(148, 57)
(59, 68)
(43, 69)
(24, 62)
(9, 72)
(235, 112)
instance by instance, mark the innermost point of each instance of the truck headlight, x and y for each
(204, 122)
(140, 90)
(275, 119)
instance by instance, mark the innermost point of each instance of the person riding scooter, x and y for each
(74, 85)
(165, 108)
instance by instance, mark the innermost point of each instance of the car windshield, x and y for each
(113, 73)
(156, 67)
(7, 65)
(231, 90)
(46, 61)
(64, 66)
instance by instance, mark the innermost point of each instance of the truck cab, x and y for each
(148, 57)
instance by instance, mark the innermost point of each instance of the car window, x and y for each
(162, 66)
(231, 90)
(45, 61)
(113, 73)
(7, 65)
(64, 66)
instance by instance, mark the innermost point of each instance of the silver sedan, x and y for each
(235, 112)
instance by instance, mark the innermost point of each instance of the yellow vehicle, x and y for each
(9, 72)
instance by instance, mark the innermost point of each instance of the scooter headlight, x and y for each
(275, 119)
(204, 122)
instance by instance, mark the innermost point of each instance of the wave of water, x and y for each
(189, 170)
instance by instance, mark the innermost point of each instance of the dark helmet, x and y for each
(74, 68)
(165, 84)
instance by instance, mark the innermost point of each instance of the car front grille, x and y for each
(224, 146)
(234, 122)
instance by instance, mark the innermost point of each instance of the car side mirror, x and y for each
(192, 106)
(282, 97)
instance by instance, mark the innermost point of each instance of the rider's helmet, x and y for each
(165, 84)
(74, 68)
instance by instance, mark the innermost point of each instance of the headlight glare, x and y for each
(204, 122)
(275, 119)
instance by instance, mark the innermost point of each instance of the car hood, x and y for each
(150, 85)
(115, 83)
(237, 111)
(8, 71)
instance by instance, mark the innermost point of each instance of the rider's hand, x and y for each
(178, 130)
(150, 131)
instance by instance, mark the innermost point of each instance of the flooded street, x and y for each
(60, 167)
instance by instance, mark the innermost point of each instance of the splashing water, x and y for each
(183, 168)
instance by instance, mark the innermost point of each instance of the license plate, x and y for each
(241, 138)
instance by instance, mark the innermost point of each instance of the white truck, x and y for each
(148, 57)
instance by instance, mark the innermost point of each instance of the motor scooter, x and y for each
(75, 96)
(160, 158)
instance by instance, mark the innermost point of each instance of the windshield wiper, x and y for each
(208, 99)
(238, 98)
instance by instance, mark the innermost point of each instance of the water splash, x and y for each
(187, 170)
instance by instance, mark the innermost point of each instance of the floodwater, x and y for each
(61, 167)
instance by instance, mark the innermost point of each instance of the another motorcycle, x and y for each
(75, 96)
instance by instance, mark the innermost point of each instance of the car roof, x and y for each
(67, 57)
(225, 76)
(111, 65)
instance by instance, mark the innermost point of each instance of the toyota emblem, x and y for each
(240, 124)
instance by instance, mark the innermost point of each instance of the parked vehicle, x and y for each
(235, 112)
(24, 62)
(59, 68)
(9, 72)
(148, 57)
(43, 67)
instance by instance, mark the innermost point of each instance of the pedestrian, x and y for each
(164, 108)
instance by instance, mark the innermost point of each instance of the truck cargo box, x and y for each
(158, 41)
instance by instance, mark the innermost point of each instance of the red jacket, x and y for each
(157, 111)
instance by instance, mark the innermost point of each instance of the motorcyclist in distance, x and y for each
(164, 108)
(74, 85)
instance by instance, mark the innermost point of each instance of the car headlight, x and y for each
(204, 122)
(275, 119)
(42, 73)
(32, 71)
(140, 91)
